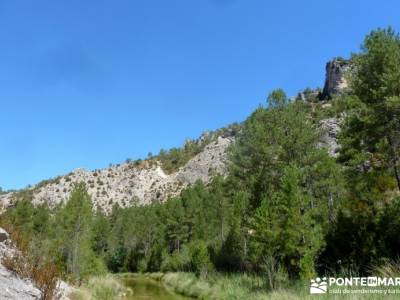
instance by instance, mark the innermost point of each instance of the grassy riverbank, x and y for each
(214, 286)
(242, 287)
(100, 288)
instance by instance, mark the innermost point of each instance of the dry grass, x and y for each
(101, 288)
(388, 269)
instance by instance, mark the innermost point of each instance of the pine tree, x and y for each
(271, 139)
(374, 129)
(285, 226)
(75, 221)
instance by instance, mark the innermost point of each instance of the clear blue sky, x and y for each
(88, 83)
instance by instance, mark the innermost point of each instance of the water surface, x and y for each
(148, 289)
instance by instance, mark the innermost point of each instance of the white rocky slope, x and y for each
(127, 183)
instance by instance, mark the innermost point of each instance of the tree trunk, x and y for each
(396, 173)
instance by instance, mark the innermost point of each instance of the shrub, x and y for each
(177, 261)
(274, 271)
(200, 258)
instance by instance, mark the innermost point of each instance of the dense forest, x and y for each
(286, 209)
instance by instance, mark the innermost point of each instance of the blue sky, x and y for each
(88, 83)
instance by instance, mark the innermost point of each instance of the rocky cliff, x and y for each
(336, 82)
(335, 79)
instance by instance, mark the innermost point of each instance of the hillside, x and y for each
(145, 182)
(127, 183)
(142, 182)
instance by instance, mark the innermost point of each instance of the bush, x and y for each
(177, 261)
(274, 271)
(142, 265)
(200, 258)
(115, 261)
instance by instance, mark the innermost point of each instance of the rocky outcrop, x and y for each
(336, 82)
(335, 79)
(206, 164)
(129, 184)
(14, 287)
(309, 95)
(329, 140)
(3, 235)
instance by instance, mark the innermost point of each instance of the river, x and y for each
(148, 289)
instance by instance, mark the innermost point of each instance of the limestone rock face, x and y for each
(335, 80)
(12, 287)
(205, 164)
(330, 129)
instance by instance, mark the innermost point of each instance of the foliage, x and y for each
(373, 130)
(62, 238)
(74, 223)
(365, 229)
